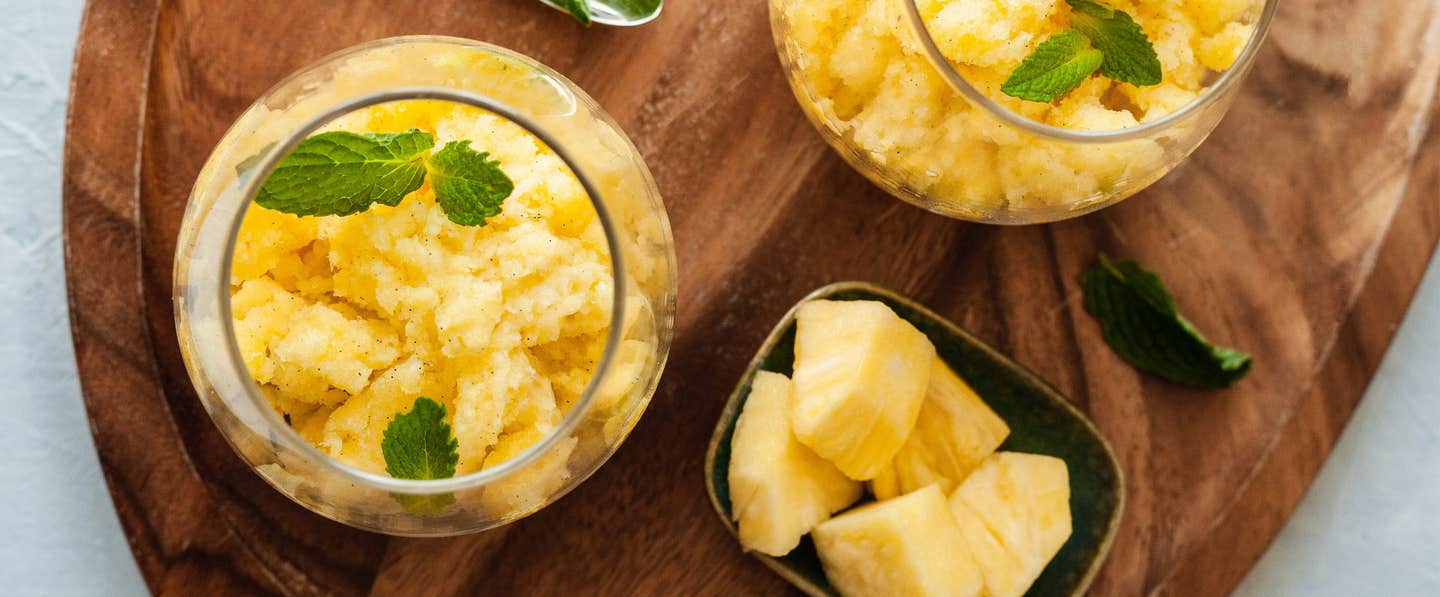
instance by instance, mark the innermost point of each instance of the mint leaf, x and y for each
(580, 9)
(1142, 325)
(468, 184)
(1129, 55)
(418, 444)
(1057, 65)
(340, 173)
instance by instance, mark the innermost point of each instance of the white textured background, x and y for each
(1368, 526)
(58, 531)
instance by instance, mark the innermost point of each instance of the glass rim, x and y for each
(262, 171)
(1210, 95)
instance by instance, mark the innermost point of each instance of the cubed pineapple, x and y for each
(1015, 514)
(860, 376)
(1004, 573)
(909, 545)
(779, 489)
(953, 434)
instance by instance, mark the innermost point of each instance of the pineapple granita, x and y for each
(344, 320)
(861, 74)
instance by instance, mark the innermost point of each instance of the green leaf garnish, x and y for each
(580, 9)
(469, 185)
(418, 444)
(1142, 325)
(1100, 36)
(1129, 55)
(341, 173)
(1057, 65)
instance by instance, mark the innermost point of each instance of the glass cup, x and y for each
(555, 111)
(934, 139)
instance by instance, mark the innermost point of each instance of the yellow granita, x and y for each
(860, 72)
(345, 320)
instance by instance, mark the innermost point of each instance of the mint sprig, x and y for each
(1141, 324)
(1129, 55)
(1099, 38)
(1057, 65)
(418, 444)
(468, 184)
(341, 173)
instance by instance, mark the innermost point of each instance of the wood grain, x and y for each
(1298, 232)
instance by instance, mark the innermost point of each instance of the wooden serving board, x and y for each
(1298, 233)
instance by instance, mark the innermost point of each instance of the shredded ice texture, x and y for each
(860, 72)
(344, 321)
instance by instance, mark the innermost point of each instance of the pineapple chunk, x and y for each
(909, 545)
(954, 433)
(860, 376)
(1004, 573)
(1014, 512)
(779, 489)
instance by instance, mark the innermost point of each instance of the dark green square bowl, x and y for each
(1041, 422)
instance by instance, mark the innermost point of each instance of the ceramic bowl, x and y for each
(1041, 421)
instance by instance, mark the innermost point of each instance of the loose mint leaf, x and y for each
(580, 9)
(1057, 65)
(418, 444)
(1140, 322)
(340, 173)
(1129, 55)
(468, 184)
